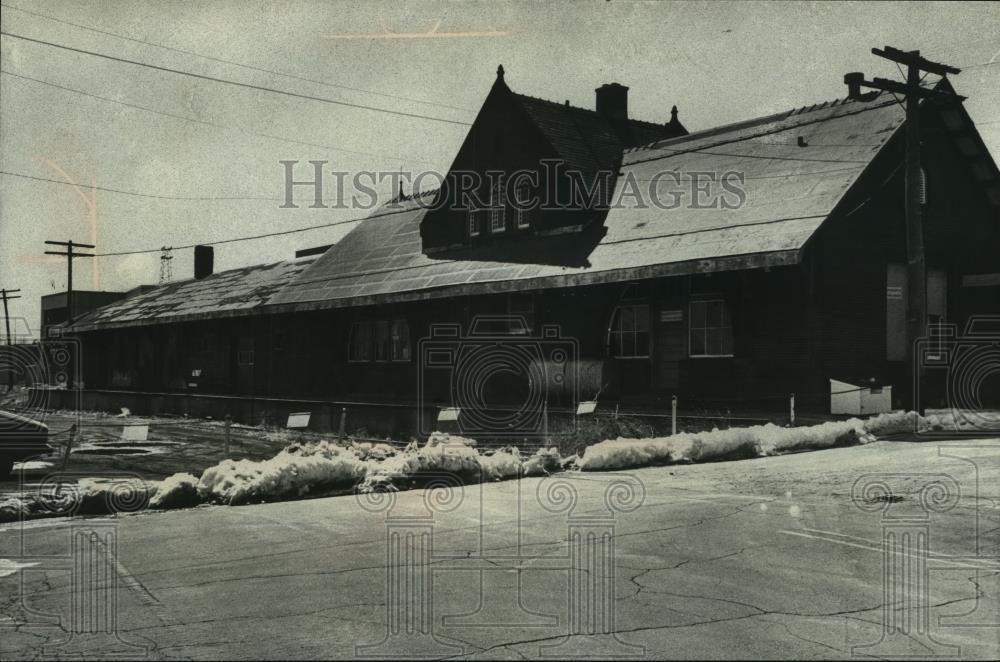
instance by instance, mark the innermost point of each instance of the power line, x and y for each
(208, 123)
(988, 63)
(236, 239)
(134, 193)
(237, 64)
(259, 88)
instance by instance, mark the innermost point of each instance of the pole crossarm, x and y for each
(69, 254)
(70, 243)
(913, 59)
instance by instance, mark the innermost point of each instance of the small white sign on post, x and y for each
(586, 407)
(298, 420)
(449, 414)
(135, 432)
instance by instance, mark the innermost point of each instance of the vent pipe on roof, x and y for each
(204, 261)
(853, 81)
(612, 101)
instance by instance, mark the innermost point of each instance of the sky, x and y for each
(167, 159)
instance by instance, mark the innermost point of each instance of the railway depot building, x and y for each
(730, 267)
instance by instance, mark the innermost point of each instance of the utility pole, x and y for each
(916, 304)
(69, 255)
(5, 294)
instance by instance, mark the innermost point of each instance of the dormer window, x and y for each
(498, 217)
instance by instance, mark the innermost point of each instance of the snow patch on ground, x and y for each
(32, 465)
(177, 491)
(9, 567)
(291, 473)
(88, 496)
(755, 441)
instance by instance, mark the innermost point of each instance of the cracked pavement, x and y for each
(764, 558)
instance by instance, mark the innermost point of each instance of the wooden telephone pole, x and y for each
(916, 304)
(5, 294)
(69, 255)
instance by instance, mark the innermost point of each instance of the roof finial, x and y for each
(500, 72)
(673, 114)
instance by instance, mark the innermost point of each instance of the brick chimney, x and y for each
(612, 101)
(204, 258)
(853, 81)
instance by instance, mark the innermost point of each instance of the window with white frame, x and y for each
(711, 330)
(475, 218)
(498, 220)
(523, 198)
(629, 333)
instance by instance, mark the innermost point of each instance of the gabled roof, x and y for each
(227, 293)
(588, 141)
(790, 191)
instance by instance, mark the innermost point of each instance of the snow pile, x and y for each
(543, 462)
(101, 497)
(13, 509)
(959, 420)
(442, 454)
(177, 491)
(754, 441)
(292, 472)
(892, 422)
(501, 464)
(89, 496)
(369, 451)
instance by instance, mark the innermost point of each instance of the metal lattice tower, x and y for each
(166, 264)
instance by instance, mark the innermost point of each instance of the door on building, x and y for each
(669, 348)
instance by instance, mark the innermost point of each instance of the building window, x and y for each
(381, 344)
(360, 342)
(629, 333)
(400, 341)
(523, 198)
(244, 357)
(711, 330)
(474, 222)
(381, 341)
(498, 220)
(521, 306)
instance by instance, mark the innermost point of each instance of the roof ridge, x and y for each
(403, 197)
(735, 126)
(566, 106)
